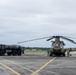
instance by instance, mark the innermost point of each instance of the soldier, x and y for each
(68, 52)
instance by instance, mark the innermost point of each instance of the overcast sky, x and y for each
(28, 19)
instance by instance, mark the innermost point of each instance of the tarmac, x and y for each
(37, 65)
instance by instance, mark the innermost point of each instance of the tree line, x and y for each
(37, 48)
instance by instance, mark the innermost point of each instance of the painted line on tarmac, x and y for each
(34, 73)
(15, 63)
(5, 71)
(10, 69)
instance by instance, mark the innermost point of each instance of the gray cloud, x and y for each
(26, 19)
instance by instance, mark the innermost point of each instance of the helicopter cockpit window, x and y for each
(61, 45)
(56, 45)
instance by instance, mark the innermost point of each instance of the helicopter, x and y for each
(57, 46)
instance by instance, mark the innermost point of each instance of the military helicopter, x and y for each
(57, 46)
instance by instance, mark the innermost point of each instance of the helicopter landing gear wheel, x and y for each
(63, 54)
(51, 54)
(48, 53)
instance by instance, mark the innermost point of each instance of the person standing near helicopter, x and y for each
(68, 52)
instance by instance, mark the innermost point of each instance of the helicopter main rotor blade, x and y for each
(68, 39)
(50, 38)
(71, 37)
(33, 39)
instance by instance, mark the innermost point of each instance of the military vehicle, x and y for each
(57, 47)
(11, 50)
(2, 50)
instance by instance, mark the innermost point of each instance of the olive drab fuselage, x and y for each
(57, 47)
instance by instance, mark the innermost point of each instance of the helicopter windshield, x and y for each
(57, 45)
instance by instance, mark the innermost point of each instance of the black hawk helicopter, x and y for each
(57, 46)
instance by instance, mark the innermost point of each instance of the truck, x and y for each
(14, 50)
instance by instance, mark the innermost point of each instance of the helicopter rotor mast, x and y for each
(57, 38)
